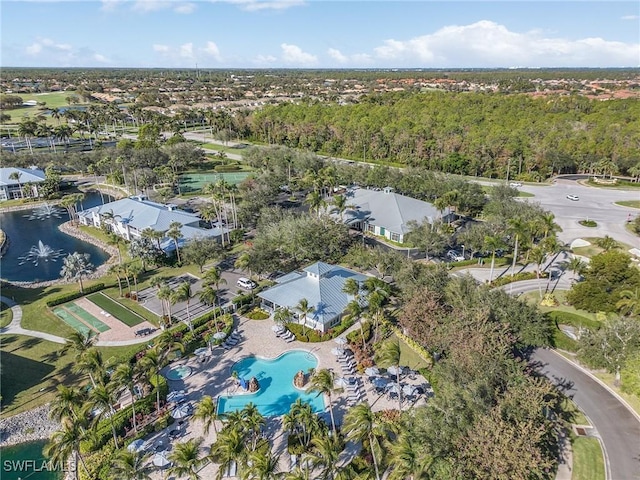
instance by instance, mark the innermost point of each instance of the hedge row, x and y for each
(226, 168)
(67, 297)
(507, 279)
(480, 261)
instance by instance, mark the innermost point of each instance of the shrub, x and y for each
(72, 296)
(515, 278)
(567, 318)
(588, 223)
(257, 314)
(226, 168)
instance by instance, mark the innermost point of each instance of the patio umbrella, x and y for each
(160, 459)
(337, 351)
(277, 328)
(341, 382)
(181, 411)
(341, 341)
(219, 335)
(176, 396)
(393, 388)
(379, 382)
(393, 370)
(408, 389)
(371, 371)
(201, 351)
(137, 445)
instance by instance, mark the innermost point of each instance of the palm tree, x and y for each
(340, 205)
(629, 303)
(75, 266)
(282, 316)
(519, 229)
(606, 243)
(187, 459)
(389, 354)
(153, 361)
(175, 234)
(103, 397)
(538, 256)
(67, 402)
(322, 382)
(165, 295)
(305, 309)
(405, 462)
(324, 454)
(492, 243)
(360, 426)
(181, 294)
(577, 266)
(153, 235)
(131, 465)
(65, 442)
(206, 412)
(208, 295)
(117, 271)
(90, 362)
(302, 422)
(16, 176)
(228, 449)
(126, 376)
(315, 202)
(263, 465)
(78, 343)
(135, 269)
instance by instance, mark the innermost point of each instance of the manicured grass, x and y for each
(89, 319)
(118, 311)
(629, 203)
(132, 305)
(588, 223)
(522, 194)
(577, 417)
(6, 315)
(561, 296)
(610, 380)
(593, 249)
(588, 461)
(409, 357)
(32, 369)
(55, 99)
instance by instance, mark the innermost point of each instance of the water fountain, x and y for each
(44, 211)
(39, 253)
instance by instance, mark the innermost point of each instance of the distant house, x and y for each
(12, 188)
(129, 217)
(321, 285)
(384, 212)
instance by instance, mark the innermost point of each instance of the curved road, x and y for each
(617, 427)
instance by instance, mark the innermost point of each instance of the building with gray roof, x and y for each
(321, 285)
(129, 217)
(11, 188)
(384, 212)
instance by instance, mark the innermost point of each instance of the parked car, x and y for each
(246, 283)
(515, 184)
(575, 198)
(454, 256)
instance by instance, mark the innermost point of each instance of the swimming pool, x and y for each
(275, 377)
(179, 373)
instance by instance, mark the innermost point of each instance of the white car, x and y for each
(515, 184)
(246, 283)
(575, 198)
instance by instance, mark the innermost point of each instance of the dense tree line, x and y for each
(469, 133)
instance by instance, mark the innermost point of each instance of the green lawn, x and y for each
(629, 203)
(117, 310)
(561, 296)
(409, 357)
(32, 369)
(55, 99)
(6, 315)
(593, 249)
(577, 417)
(588, 461)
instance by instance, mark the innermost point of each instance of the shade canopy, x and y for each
(160, 459)
(219, 335)
(379, 382)
(181, 411)
(393, 370)
(277, 328)
(371, 371)
(337, 351)
(409, 389)
(176, 396)
(137, 445)
(341, 341)
(393, 388)
(201, 351)
(341, 382)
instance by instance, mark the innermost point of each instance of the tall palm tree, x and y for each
(340, 205)
(16, 176)
(519, 229)
(75, 266)
(90, 362)
(153, 361)
(103, 397)
(78, 343)
(538, 256)
(263, 465)
(175, 234)
(126, 376)
(629, 303)
(324, 455)
(302, 422)
(208, 295)
(206, 412)
(65, 442)
(492, 243)
(214, 277)
(165, 295)
(577, 266)
(131, 465)
(305, 309)
(117, 271)
(389, 354)
(182, 294)
(360, 426)
(404, 460)
(153, 235)
(187, 459)
(67, 402)
(315, 202)
(228, 449)
(322, 382)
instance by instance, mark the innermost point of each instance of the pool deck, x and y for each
(213, 377)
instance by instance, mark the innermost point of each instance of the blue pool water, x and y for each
(275, 377)
(179, 373)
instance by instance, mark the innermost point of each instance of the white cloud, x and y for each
(47, 51)
(213, 51)
(186, 50)
(488, 44)
(34, 49)
(257, 5)
(185, 8)
(630, 17)
(148, 6)
(46, 44)
(337, 55)
(98, 57)
(263, 60)
(292, 54)
(161, 48)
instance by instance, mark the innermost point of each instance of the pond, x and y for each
(36, 246)
(26, 460)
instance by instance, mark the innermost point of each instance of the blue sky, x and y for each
(319, 34)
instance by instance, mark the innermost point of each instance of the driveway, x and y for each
(617, 426)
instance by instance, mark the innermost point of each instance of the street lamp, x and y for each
(463, 251)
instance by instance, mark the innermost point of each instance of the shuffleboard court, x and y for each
(192, 182)
(72, 321)
(87, 317)
(118, 311)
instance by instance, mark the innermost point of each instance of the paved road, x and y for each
(618, 428)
